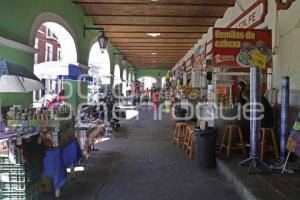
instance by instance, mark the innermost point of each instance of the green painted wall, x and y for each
(72, 95)
(16, 19)
(155, 73)
(26, 59)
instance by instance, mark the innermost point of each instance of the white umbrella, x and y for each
(16, 78)
(50, 70)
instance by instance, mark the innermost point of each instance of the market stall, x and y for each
(233, 52)
(21, 149)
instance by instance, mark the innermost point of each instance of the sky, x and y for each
(68, 48)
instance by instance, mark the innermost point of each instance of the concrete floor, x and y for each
(140, 163)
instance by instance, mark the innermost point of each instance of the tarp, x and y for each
(57, 160)
(54, 70)
(50, 70)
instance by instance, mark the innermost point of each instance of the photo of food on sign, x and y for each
(235, 48)
(244, 58)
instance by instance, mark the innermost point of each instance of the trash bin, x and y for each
(206, 147)
(180, 113)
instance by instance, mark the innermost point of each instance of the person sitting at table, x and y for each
(268, 118)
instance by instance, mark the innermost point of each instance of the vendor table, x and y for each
(87, 134)
(57, 160)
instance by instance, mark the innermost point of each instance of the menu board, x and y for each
(242, 47)
(199, 57)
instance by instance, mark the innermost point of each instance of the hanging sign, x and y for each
(258, 59)
(293, 143)
(297, 126)
(235, 47)
(188, 65)
(199, 57)
(251, 17)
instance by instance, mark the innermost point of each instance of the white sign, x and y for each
(254, 16)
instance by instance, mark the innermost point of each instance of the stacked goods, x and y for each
(20, 169)
(190, 92)
(55, 126)
(57, 133)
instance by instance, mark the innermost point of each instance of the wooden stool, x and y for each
(190, 148)
(229, 131)
(188, 132)
(264, 133)
(179, 133)
(186, 138)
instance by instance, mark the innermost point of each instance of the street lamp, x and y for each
(102, 40)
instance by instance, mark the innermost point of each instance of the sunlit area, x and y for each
(149, 99)
(148, 82)
(99, 64)
(117, 75)
(56, 50)
(124, 82)
(76, 169)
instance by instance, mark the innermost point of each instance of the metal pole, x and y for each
(255, 99)
(255, 123)
(285, 88)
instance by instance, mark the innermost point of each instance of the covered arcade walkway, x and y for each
(140, 163)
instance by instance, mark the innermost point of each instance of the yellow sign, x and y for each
(258, 59)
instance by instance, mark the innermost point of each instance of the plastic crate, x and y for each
(22, 180)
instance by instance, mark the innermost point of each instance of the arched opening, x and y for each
(99, 64)
(147, 82)
(163, 82)
(117, 80)
(129, 77)
(56, 50)
(124, 82)
(117, 75)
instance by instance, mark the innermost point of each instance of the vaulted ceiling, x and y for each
(129, 23)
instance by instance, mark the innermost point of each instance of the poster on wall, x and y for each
(199, 57)
(188, 65)
(242, 47)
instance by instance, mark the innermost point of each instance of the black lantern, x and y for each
(103, 40)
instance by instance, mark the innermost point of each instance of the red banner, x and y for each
(235, 47)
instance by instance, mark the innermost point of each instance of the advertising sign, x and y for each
(242, 47)
(251, 17)
(259, 59)
(199, 57)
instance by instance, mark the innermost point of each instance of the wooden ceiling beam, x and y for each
(170, 63)
(154, 67)
(153, 10)
(162, 35)
(159, 54)
(153, 48)
(154, 44)
(155, 29)
(152, 40)
(153, 21)
(145, 57)
(172, 2)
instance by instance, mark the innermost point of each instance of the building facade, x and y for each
(49, 48)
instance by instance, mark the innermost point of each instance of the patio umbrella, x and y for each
(16, 78)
